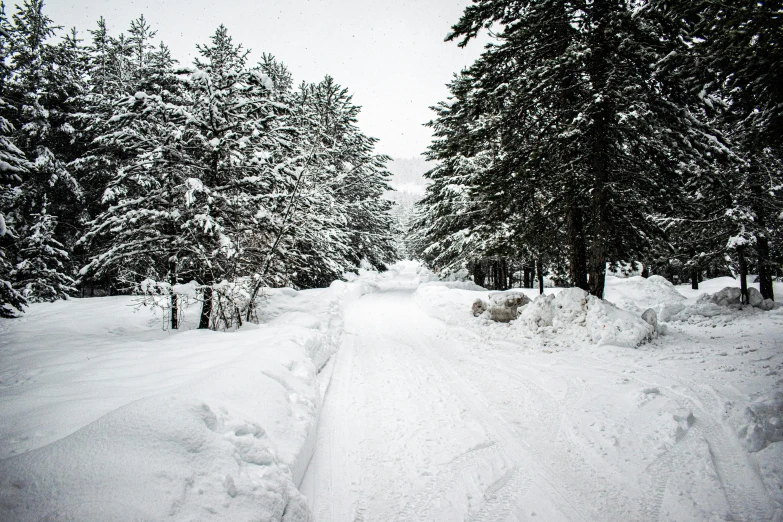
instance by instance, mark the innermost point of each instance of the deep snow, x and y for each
(429, 413)
(107, 416)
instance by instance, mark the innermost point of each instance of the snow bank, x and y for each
(763, 423)
(567, 316)
(573, 314)
(636, 294)
(106, 416)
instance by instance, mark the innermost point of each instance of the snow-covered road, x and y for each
(424, 421)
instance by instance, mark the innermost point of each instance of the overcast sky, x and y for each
(389, 53)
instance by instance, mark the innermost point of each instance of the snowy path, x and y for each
(428, 422)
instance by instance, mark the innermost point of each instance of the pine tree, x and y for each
(44, 76)
(733, 62)
(587, 134)
(250, 163)
(13, 166)
(139, 234)
(343, 219)
(42, 272)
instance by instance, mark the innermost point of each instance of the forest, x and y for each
(640, 135)
(124, 170)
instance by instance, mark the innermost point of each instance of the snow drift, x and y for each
(575, 315)
(565, 317)
(108, 417)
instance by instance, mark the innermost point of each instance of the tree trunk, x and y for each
(478, 273)
(174, 297)
(577, 251)
(743, 266)
(206, 308)
(174, 311)
(765, 273)
(540, 271)
(599, 149)
(762, 242)
(694, 279)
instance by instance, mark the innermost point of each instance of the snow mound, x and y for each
(172, 455)
(763, 423)
(131, 422)
(707, 309)
(574, 314)
(636, 294)
(566, 317)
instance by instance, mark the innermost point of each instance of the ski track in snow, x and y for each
(421, 423)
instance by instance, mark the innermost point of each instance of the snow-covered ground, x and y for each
(429, 413)
(104, 415)
(443, 416)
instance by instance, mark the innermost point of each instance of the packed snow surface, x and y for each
(384, 398)
(433, 414)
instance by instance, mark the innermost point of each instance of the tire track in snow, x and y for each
(514, 449)
(424, 504)
(743, 488)
(558, 447)
(659, 472)
(503, 496)
(330, 502)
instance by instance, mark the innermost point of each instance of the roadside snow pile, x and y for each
(636, 294)
(732, 296)
(566, 317)
(681, 304)
(105, 416)
(573, 314)
(723, 305)
(441, 300)
(763, 423)
(502, 307)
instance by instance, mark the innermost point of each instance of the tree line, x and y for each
(595, 133)
(124, 170)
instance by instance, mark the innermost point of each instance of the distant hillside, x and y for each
(409, 185)
(408, 173)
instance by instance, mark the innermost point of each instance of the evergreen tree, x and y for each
(44, 76)
(42, 272)
(13, 166)
(344, 191)
(587, 134)
(733, 63)
(139, 235)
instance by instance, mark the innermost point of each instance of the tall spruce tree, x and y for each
(44, 77)
(586, 130)
(735, 56)
(42, 273)
(13, 167)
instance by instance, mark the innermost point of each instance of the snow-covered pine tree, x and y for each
(343, 219)
(573, 98)
(13, 166)
(737, 47)
(110, 82)
(42, 272)
(249, 165)
(152, 179)
(44, 76)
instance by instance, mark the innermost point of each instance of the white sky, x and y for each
(389, 53)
